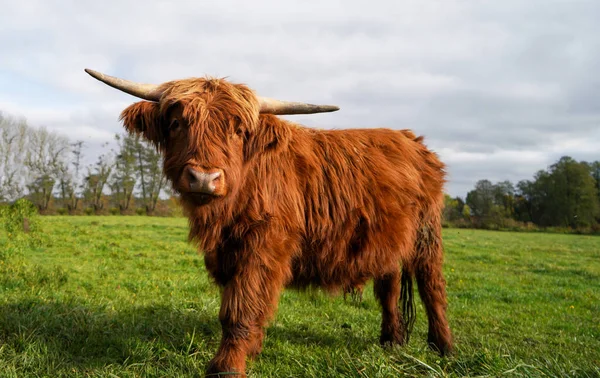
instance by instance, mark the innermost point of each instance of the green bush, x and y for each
(22, 224)
(21, 216)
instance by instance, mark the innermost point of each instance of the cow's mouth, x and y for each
(200, 198)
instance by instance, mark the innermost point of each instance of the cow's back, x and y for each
(364, 193)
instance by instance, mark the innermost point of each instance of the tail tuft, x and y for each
(408, 303)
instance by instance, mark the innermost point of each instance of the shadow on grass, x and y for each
(96, 336)
(76, 335)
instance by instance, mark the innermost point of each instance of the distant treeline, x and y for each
(565, 198)
(47, 169)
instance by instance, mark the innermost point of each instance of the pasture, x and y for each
(129, 297)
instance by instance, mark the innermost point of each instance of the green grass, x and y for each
(129, 297)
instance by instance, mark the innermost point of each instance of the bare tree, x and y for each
(13, 139)
(123, 180)
(155, 180)
(45, 157)
(151, 178)
(95, 182)
(69, 179)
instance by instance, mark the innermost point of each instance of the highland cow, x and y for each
(273, 204)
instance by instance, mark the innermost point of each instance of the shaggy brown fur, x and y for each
(298, 207)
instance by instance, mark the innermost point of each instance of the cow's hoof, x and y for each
(440, 345)
(391, 338)
(216, 369)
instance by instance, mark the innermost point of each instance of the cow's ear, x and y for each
(144, 118)
(268, 136)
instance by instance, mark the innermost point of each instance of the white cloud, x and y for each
(498, 88)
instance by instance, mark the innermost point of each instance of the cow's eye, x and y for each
(174, 125)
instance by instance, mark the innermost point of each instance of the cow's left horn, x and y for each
(272, 106)
(148, 92)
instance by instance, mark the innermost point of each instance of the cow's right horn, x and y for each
(148, 92)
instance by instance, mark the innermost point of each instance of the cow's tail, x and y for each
(407, 301)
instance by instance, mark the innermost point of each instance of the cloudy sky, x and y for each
(500, 89)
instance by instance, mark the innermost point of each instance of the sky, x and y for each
(499, 89)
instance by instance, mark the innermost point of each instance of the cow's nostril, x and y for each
(192, 178)
(214, 176)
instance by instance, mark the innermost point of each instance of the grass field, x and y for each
(128, 297)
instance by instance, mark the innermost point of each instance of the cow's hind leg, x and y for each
(432, 288)
(387, 291)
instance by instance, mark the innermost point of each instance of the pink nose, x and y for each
(202, 182)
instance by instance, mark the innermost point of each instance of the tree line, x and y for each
(566, 196)
(47, 169)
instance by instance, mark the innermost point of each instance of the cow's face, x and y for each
(207, 129)
(201, 127)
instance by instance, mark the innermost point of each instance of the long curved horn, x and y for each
(148, 92)
(272, 106)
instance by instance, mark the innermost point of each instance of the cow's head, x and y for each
(203, 127)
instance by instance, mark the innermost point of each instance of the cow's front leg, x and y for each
(247, 303)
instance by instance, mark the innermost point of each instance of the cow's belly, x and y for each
(310, 270)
